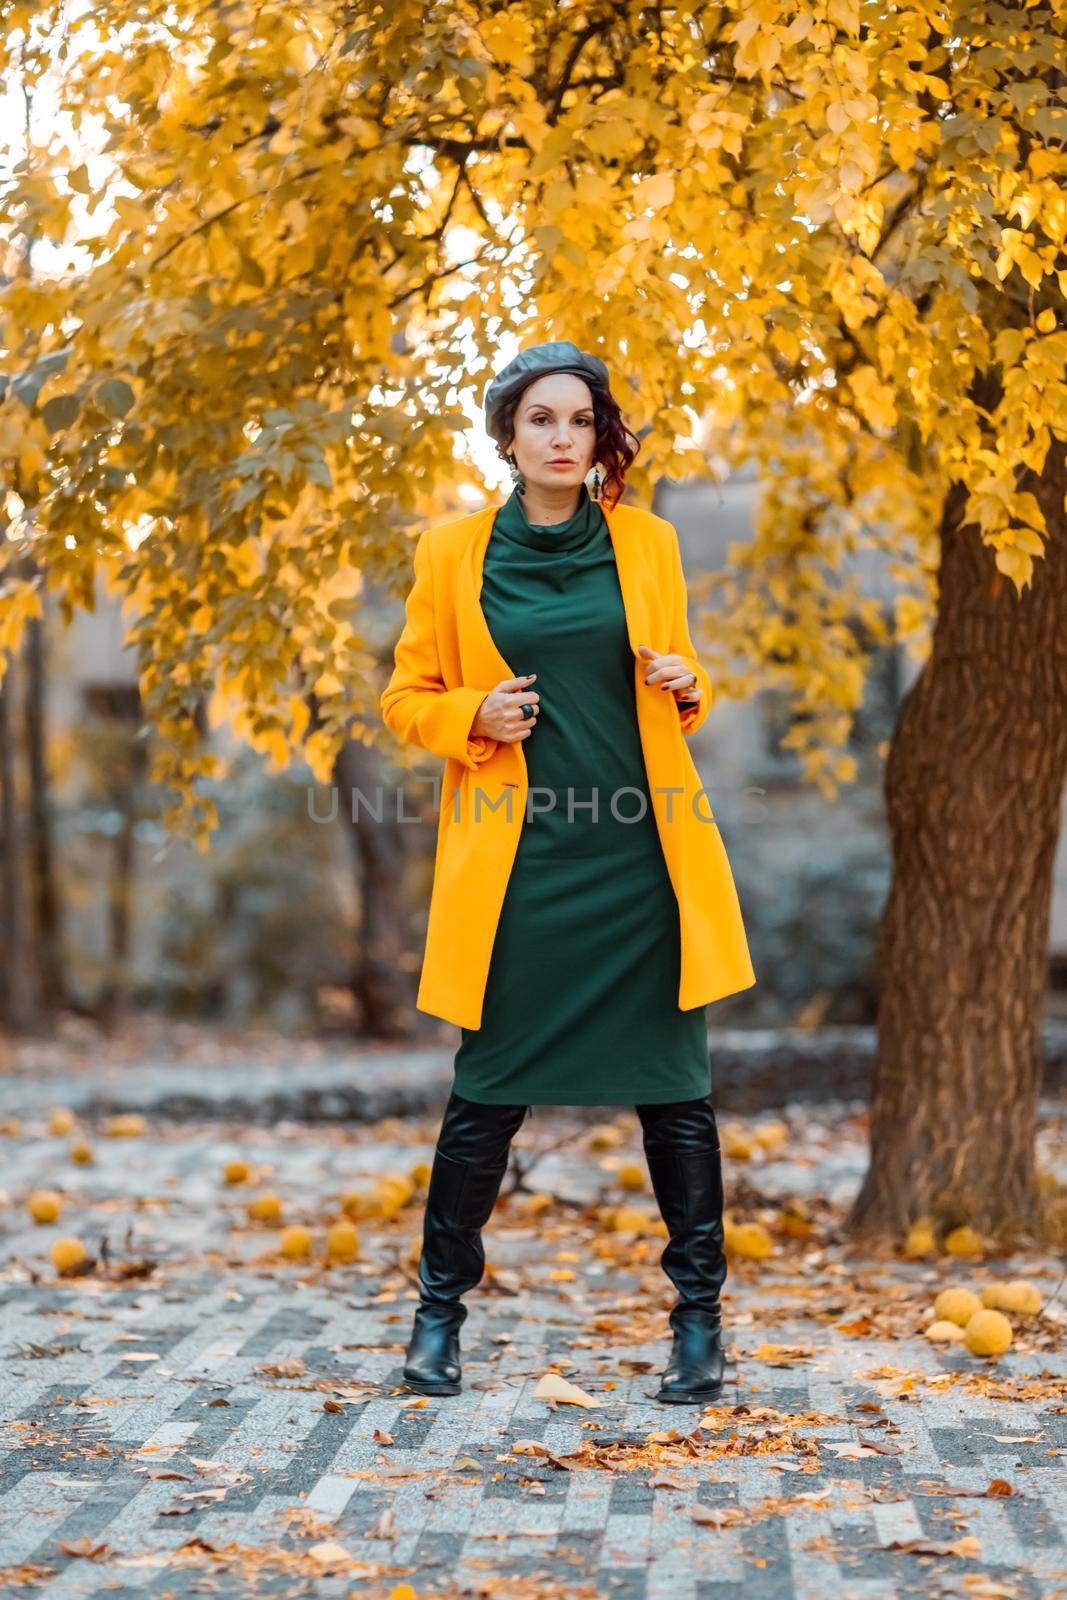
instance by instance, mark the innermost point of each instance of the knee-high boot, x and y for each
(469, 1163)
(685, 1164)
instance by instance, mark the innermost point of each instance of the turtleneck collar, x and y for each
(512, 521)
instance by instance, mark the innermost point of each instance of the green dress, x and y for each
(581, 999)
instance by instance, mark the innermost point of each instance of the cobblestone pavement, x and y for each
(197, 1415)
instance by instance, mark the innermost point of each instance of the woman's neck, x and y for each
(548, 505)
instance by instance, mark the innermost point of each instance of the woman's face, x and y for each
(555, 431)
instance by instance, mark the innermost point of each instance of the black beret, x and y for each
(558, 355)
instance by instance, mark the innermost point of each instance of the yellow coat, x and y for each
(446, 662)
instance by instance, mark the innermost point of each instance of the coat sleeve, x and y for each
(415, 704)
(692, 713)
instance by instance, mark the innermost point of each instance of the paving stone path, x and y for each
(198, 1416)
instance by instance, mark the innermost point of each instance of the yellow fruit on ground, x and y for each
(81, 1151)
(920, 1240)
(342, 1242)
(988, 1333)
(265, 1208)
(127, 1125)
(392, 1192)
(414, 1255)
(420, 1174)
(752, 1241)
(294, 1241)
(963, 1242)
(357, 1205)
(945, 1332)
(605, 1136)
(771, 1135)
(62, 1120)
(794, 1220)
(956, 1305)
(735, 1144)
(536, 1204)
(44, 1205)
(630, 1219)
(631, 1178)
(1021, 1298)
(67, 1254)
(237, 1171)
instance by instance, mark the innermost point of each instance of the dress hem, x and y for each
(610, 1105)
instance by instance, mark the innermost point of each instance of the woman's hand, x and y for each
(500, 713)
(671, 672)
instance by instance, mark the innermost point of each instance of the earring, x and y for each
(518, 482)
(598, 483)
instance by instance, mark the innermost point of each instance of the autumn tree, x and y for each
(827, 238)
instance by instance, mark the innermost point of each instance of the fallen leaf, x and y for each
(969, 1546)
(84, 1548)
(781, 1355)
(552, 1387)
(328, 1553)
(717, 1516)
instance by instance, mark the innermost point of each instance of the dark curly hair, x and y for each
(616, 445)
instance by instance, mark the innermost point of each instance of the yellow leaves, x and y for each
(1010, 344)
(20, 599)
(1016, 565)
(914, 615)
(724, 229)
(508, 37)
(904, 141)
(300, 716)
(761, 55)
(874, 400)
(654, 192)
(320, 753)
(246, 561)
(273, 743)
(1017, 250)
(610, 136)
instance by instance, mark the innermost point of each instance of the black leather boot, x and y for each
(468, 1167)
(684, 1162)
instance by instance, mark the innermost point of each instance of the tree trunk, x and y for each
(974, 784)
(41, 858)
(380, 982)
(19, 997)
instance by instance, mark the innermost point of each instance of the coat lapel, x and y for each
(481, 661)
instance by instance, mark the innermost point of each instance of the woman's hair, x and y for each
(616, 446)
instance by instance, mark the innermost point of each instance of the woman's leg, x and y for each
(469, 1163)
(681, 1142)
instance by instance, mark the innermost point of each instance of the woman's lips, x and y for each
(561, 463)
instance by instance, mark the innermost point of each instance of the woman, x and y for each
(584, 915)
